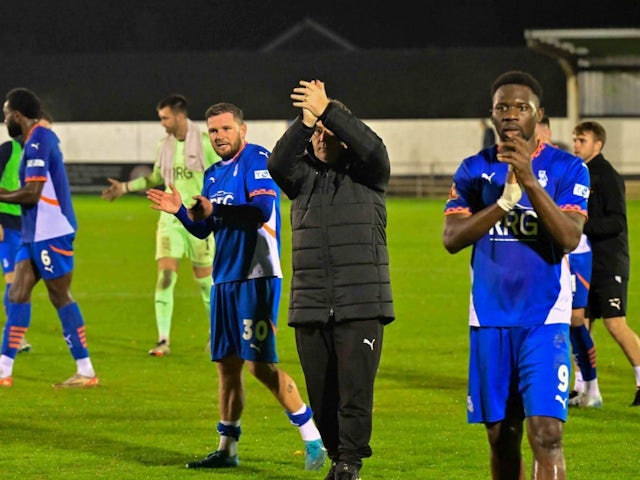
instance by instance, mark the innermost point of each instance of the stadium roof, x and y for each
(308, 34)
(598, 48)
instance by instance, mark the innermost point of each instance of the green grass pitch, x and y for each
(151, 415)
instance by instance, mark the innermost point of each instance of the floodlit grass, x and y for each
(151, 415)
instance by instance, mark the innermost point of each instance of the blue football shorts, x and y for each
(244, 319)
(518, 371)
(53, 258)
(8, 249)
(580, 267)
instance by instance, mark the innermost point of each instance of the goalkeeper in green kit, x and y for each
(182, 157)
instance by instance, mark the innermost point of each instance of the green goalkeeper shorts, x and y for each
(174, 241)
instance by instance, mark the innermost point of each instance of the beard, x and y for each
(14, 129)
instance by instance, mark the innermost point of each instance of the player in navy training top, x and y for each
(608, 232)
(522, 206)
(240, 204)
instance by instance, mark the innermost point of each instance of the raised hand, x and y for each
(517, 152)
(312, 97)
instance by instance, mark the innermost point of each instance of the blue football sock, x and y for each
(73, 330)
(584, 351)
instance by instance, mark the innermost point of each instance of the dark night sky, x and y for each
(90, 26)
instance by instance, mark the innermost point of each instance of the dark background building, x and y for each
(112, 61)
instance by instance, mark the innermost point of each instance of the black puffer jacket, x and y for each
(338, 218)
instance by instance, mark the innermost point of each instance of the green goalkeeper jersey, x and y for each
(187, 182)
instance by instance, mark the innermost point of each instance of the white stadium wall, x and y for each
(416, 147)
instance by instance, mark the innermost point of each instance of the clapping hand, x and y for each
(169, 202)
(202, 209)
(517, 152)
(312, 98)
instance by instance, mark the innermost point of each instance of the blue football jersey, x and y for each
(517, 273)
(244, 251)
(53, 216)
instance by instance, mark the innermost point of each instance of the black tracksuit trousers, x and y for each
(340, 362)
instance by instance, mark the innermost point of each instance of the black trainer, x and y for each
(636, 400)
(331, 474)
(217, 459)
(344, 471)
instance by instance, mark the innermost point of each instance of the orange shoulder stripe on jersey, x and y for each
(262, 192)
(35, 179)
(452, 210)
(574, 208)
